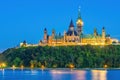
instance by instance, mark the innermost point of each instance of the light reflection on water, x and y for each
(72, 75)
(99, 75)
(34, 72)
(81, 75)
(59, 74)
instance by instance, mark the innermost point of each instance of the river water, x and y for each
(27, 74)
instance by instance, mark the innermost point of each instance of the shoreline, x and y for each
(60, 68)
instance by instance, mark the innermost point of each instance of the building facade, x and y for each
(74, 36)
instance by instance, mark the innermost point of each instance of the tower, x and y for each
(71, 26)
(23, 44)
(71, 31)
(45, 36)
(103, 33)
(64, 36)
(53, 33)
(79, 23)
(95, 32)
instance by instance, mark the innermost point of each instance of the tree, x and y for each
(17, 61)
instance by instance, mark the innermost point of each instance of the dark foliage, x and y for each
(60, 57)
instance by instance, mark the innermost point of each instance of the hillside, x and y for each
(79, 56)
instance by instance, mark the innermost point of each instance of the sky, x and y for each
(26, 19)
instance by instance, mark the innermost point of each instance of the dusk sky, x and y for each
(26, 19)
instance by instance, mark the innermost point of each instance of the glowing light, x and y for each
(2, 65)
(32, 66)
(13, 67)
(105, 66)
(71, 66)
(22, 67)
(42, 67)
(79, 22)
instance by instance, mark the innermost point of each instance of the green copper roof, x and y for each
(90, 36)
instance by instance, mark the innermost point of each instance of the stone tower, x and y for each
(103, 33)
(53, 34)
(45, 35)
(71, 26)
(79, 23)
(95, 32)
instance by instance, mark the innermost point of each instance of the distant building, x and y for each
(74, 36)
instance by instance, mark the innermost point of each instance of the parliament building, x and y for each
(74, 36)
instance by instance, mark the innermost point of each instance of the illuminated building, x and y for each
(74, 36)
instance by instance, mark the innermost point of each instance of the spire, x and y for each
(24, 42)
(103, 33)
(53, 31)
(79, 13)
(103, 28)
(45, 29)
(95, 32)
(71, 24)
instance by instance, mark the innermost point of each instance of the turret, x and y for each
(71, 31)
(79, 23)
(45, 35)
(95, 32)
(103, 33)
(23, 44)
(64, 36)
(71, 26)
(53, 33)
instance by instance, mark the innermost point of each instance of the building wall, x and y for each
(74, 40)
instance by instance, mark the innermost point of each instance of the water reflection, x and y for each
(99, 75)
(57, 74)
(70, 75)
(80, 75)
(34, 72)
(3, 72)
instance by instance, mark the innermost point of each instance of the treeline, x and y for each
(63, 56)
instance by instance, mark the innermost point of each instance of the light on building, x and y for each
(80, 22)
